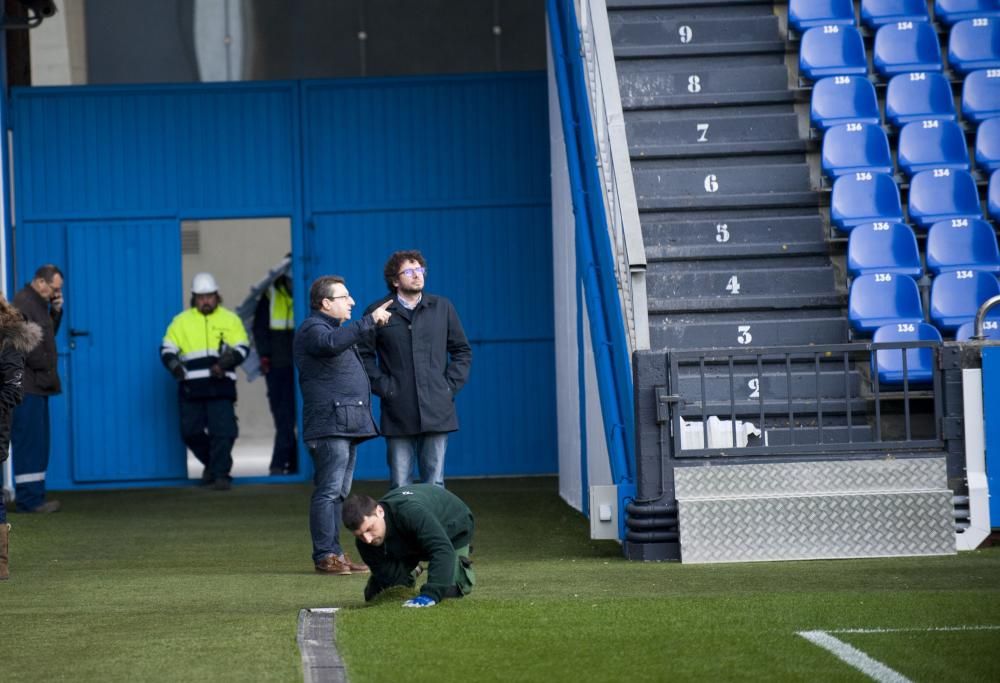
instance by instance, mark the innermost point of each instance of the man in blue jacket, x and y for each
(336, 410)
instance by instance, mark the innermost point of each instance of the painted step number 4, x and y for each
(733, 287)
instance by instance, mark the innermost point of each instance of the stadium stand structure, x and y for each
(757, 351)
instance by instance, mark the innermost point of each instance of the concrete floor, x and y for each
(251, 458)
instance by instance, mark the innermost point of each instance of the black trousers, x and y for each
(209, 429)
(281, 399)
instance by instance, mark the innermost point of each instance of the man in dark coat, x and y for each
(409, 525)
(417, 364)
(40, 302)
(273, 333)
(336, 410)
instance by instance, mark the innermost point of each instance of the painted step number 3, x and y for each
(744, 336)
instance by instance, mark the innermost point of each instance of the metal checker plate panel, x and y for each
(798, 478)
(816, 527)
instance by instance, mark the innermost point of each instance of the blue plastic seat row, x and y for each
(914, 96)
(879, 299)
(935, 195)
(959, 244)
(806, 14)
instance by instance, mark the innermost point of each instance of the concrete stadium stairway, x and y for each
(735, 240)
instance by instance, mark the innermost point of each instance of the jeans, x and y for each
(333, 459)
(429, 449)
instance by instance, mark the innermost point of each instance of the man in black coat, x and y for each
(417, 363)
(40, 302)
(273, 333)
(336, 410)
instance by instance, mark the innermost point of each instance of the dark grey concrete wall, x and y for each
(151, 42)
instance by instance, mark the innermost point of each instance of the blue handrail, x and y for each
(594, 253)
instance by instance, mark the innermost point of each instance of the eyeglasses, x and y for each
(334, 298)
(410, 272)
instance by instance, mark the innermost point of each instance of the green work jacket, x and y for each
(423, 523)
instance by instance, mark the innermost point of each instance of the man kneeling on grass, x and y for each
(409, 525)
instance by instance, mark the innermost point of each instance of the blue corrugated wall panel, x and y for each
(125, 407)
(411, 143)
(457, 167)
(109, 152)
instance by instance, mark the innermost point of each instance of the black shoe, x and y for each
(45, 508)
(222, 484)
(279, 471)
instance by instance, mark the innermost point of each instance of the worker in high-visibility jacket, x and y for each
(273, 334)
(201, 349)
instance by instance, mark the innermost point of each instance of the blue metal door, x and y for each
(125, 276)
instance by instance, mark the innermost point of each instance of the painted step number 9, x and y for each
(685, 33)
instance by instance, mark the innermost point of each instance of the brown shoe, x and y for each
(331, 564)
(356, 567)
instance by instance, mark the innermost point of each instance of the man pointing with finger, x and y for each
(336, 410)
(417, 364)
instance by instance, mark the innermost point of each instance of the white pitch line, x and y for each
(854, 657)
(932, 629)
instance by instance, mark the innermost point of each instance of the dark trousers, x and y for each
(209, 430)
(29, 440)
(281, 398)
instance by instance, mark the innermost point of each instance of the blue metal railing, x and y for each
(594, 253)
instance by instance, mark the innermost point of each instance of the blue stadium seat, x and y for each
(950, 11)
(918, 96)
(832, 51)
(843, 99)
(993, 196)
(988, 146)
(957, 295)
(981, 95)
(883, 247)
(853, 147)
(991, 328)
(942, 194)
(926, 145)
(879, 299)
(906, 46)
(875, 13)
(962, 244)
(806, 14)
(863, 198)
(888, 363)
(974, 44)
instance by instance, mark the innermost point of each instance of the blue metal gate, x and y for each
(455, 166)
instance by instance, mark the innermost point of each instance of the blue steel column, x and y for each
(594, 257)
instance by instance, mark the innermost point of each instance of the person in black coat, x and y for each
(273, 334)
(40, 302)
(336, 410)
(17, 338)
(417, 364)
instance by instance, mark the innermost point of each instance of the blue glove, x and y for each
(420, 601)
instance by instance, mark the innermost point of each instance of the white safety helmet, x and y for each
(204, 283)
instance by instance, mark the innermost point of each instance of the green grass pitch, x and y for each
(191, 585)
